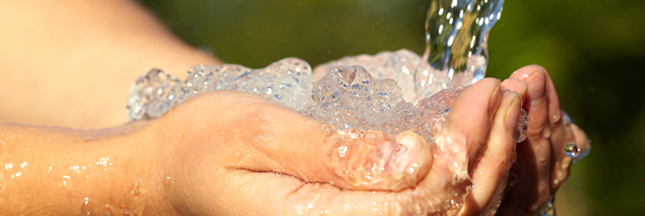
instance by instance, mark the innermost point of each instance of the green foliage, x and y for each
(593, 49)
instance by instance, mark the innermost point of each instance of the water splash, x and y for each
(287, 81)
(396, 94)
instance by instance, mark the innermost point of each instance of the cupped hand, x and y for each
(542, 164)
(234, 153)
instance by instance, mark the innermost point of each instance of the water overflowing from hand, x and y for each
(380, 108)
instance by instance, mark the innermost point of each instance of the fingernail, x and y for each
(536, 88)
(515, 82)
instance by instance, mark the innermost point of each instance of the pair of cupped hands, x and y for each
(235, 153)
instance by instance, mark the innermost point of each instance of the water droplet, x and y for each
(455, 179)
(134, 190)
(167, 181)
(126, 212)
(86, 207)
(107, 211)
(372, 141)
(336, 142)
(417, 209)
(585, 152)
(572, 150)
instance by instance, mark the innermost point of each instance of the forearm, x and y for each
(62, 172)
(71, 63)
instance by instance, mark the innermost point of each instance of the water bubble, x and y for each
(571, 150)
(156, 92)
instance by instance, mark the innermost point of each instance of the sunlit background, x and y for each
(594, 51)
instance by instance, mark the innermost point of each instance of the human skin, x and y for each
(218, 164)
(118, 40)
(224, 164)
(542, 165)
(71, 63)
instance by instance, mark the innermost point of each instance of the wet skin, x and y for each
(218, 153)
(542, 165)
(278, 140)
(200, 156)
(226, 163)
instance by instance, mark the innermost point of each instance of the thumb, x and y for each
(353, 159)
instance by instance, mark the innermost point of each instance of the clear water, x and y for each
(456, 34)
(400, 99)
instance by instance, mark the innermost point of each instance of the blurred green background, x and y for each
(594, 50)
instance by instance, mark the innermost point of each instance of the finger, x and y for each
(561, 135)
(467, 125)
(534, 155)
(283, 195)
(489, 178)
(561, 168)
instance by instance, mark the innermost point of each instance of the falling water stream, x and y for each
(456, 34)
